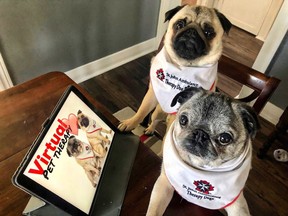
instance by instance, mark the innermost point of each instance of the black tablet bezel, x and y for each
(25, 183)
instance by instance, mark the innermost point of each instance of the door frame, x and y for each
(5, 80)
(273, 40)
(275, 6)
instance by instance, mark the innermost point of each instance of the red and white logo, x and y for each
(160, 74)
(203, 186)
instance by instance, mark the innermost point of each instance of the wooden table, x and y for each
(23, 110)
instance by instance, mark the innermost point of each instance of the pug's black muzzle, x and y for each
(189, 45)
(84, 122)
(200, 137)
(199, 144)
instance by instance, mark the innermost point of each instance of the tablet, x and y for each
(75, 159)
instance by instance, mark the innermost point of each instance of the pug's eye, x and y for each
(209, 31)
(225, 138)
(183, 120)
(180, 24)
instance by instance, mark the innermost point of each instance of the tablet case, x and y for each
(109, 198)
(114, 178)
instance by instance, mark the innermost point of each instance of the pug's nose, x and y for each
(192, 32)
(199, 136)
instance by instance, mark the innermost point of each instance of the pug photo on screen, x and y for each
(85, 156)
(207, 153)
(189, 58)
(93, 130)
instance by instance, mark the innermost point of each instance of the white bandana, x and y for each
(168, 80)
(206, 187)
(93, 127)
(86, 153)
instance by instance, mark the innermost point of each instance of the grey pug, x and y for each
(86, 158)
(207, 153)
(192, 48)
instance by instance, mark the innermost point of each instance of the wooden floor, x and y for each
(241, 46)
(267, 186)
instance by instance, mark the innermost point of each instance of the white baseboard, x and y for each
(5, 80)
(271, 113)
(107, 63)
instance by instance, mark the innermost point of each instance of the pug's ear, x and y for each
(185, 95)
(226, 24)
(250, 120)
(169, 14)
(71, 137)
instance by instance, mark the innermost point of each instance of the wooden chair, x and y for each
(263, 86)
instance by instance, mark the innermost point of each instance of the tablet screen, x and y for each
(71, 154)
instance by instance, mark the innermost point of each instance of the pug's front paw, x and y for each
(128, 124)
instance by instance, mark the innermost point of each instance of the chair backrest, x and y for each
(263, 85)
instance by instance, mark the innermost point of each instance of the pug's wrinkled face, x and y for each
(83, 120)
(211, 128)
(74, 147)
(194, 35)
